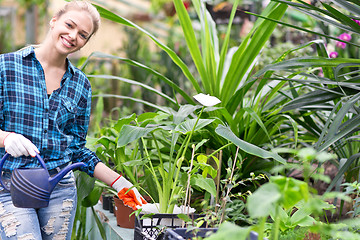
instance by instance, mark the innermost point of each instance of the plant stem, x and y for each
(219, 149)
(275, 229)
(161, 169)
(189, 177)
(261, 228)
(187, 141)
(218, 182)
(162, 194)
(223, 205)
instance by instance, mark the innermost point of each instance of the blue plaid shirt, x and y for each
(58, 124)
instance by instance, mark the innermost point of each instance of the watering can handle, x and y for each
(42, 163)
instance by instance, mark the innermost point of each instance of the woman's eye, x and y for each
(83, 36)
(68, 24)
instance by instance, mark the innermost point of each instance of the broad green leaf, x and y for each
(85, 184)
(302, 218)
(93, 198)
(206, 184)
(226, 133)
(184, 112)
(198, 145)
(187, 126)
(129, 134)
(263, 200)
(230, 231)
(202, 158)
(147, 116)
(123, 121)
(292, 190)
(283, 217)
(106, 141)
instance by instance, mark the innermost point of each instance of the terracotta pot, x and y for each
(122, 213)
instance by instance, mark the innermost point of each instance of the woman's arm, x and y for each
(105, 174)
(3, 135)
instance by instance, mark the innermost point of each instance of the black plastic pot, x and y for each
(183, 234)
(155, 226)
(106, 201)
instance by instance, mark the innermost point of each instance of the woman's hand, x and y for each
(128, 193)
(17, 145)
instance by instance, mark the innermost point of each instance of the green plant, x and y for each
(292, 203)
(224, 73)
(325, 106)
(353, 189)
(88, 194)
(171, 138)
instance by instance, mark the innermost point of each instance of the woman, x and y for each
(45, 108)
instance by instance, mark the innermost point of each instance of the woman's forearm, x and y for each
(3, 135)
(105, 174)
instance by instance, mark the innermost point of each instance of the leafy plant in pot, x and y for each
(164, 138)
(106, 147)
(220, 70)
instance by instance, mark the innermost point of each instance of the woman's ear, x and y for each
(52, 22)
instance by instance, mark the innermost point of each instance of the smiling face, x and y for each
(71, 31)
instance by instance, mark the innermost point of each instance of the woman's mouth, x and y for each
(66, 42)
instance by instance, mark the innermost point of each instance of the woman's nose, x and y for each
(72, 34)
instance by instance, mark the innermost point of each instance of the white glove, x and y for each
(132, 197)
(17, 145)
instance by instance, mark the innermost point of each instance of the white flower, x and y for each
(207, 100)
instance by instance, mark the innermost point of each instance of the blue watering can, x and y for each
(31, 187)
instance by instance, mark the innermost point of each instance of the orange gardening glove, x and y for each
(132, 197)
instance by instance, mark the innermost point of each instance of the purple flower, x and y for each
(321, 73)
(333, 54)
(346, 37)
(341, 45)
(357, 21)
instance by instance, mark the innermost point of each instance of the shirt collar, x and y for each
(27, 51)
(30, 51)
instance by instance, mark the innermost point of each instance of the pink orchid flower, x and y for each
(333, 54)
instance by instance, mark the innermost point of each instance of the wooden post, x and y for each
(31, 23)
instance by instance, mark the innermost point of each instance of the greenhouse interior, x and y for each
(180, 119)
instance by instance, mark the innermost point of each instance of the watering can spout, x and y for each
(54, 180)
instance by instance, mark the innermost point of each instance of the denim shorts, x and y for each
(53, 222)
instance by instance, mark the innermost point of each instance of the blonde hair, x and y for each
(82, 6)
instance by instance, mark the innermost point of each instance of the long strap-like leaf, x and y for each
(142, 66)
(113, 17)
(240, 64)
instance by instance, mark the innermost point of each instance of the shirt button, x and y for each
(45, 131)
